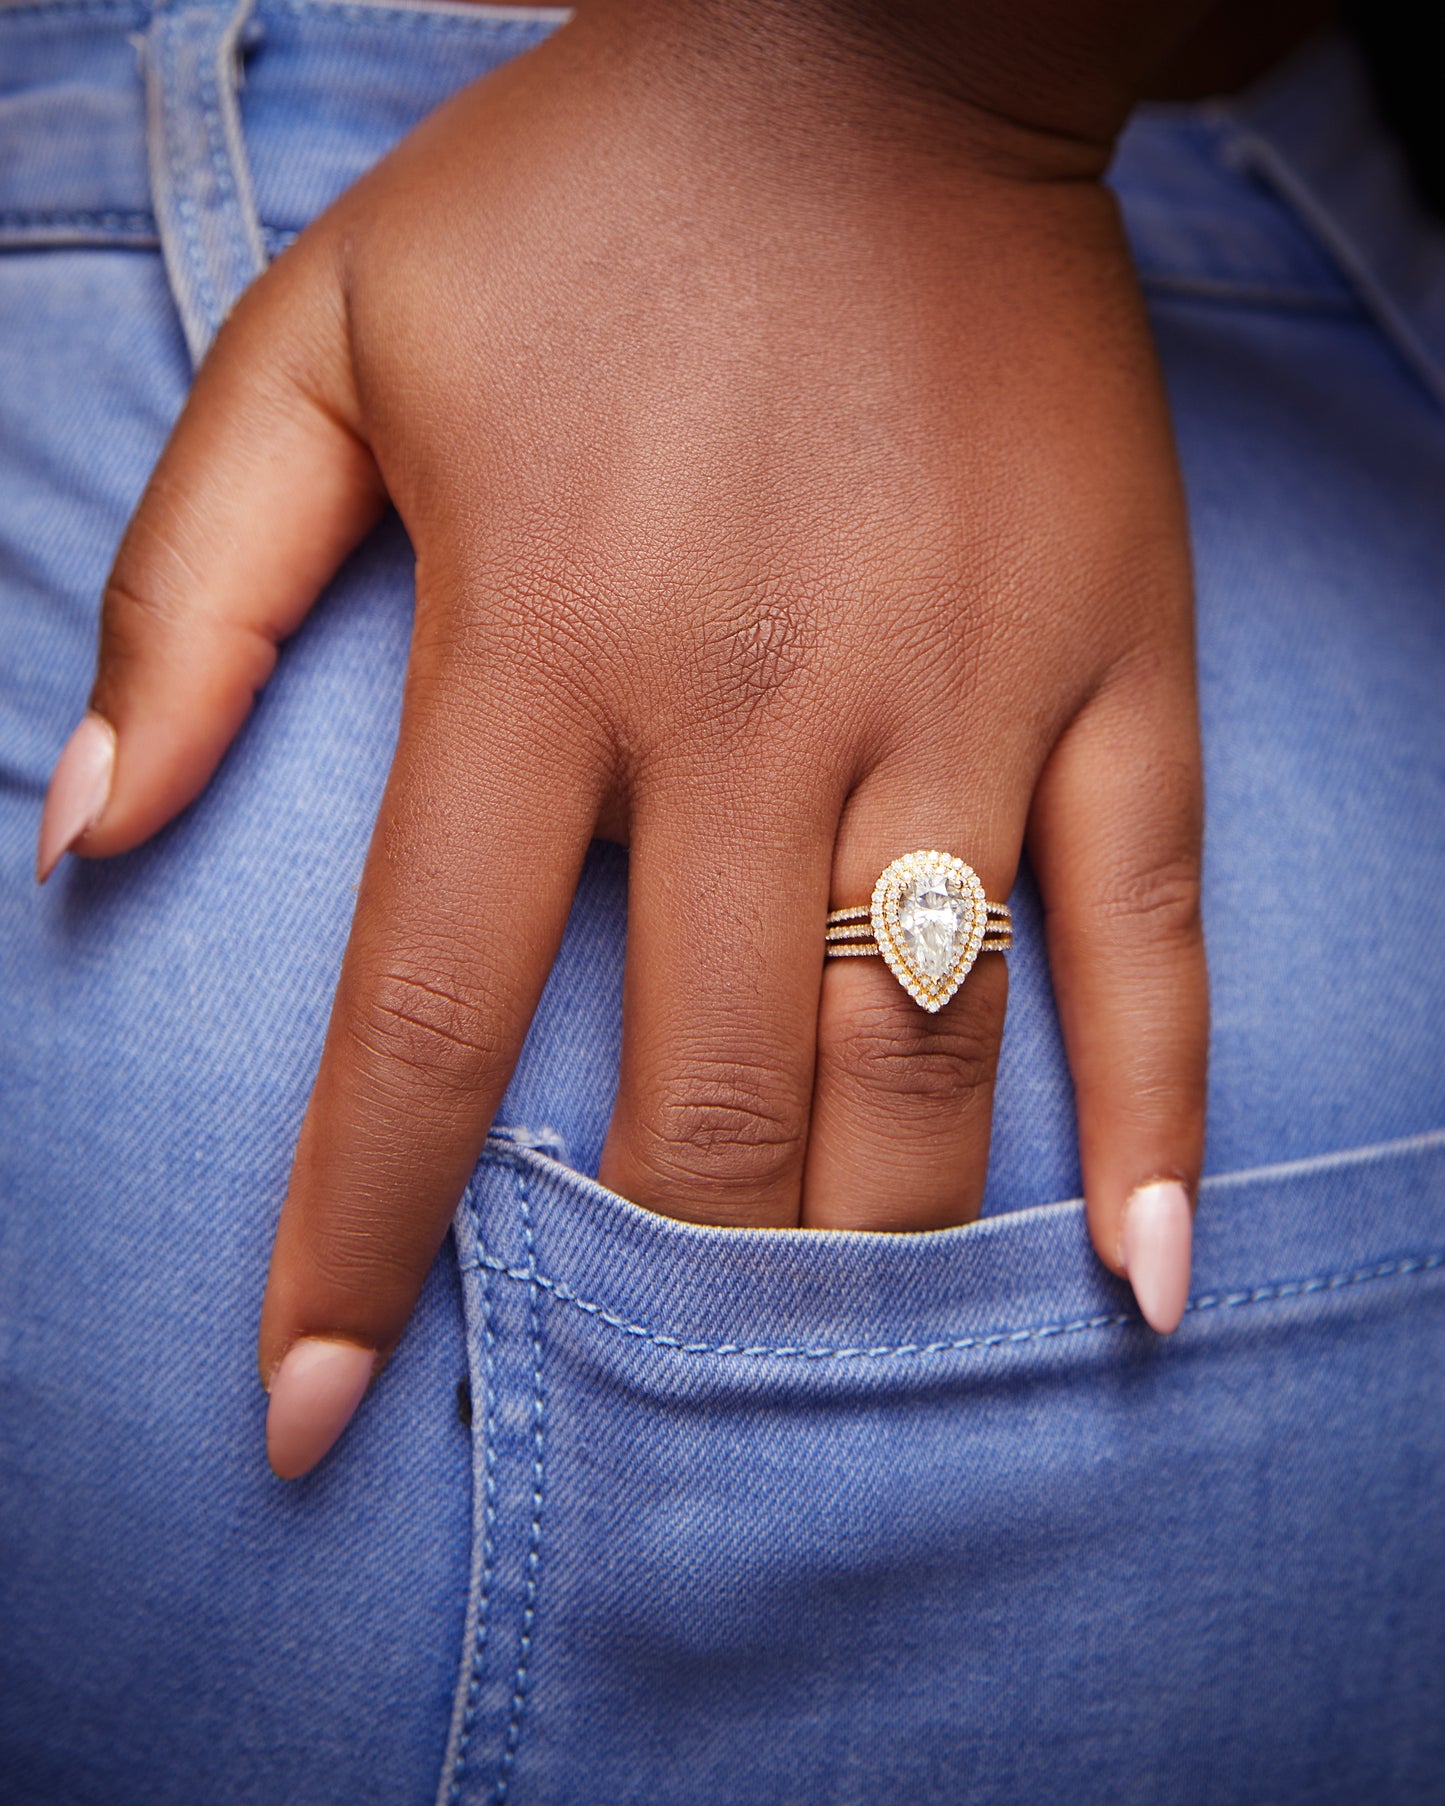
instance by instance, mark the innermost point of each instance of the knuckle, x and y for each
(139, 618)
(354, 1266)
(161, 558)
(885, 1050)
(135, 611)
(150, 592)
(728, 1128)
(754, 645)
(413, 1024)
(1160, 900)
(143, 616)
(757, 649)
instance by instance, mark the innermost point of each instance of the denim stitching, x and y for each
(211, 111)
(70, 9)
(1329, 1282)
(392, 17)
(489, 1524)
(364, 15)
(185, 205)
(111, 222)
(137, 225)
(1210, 1301)
(534, 1536)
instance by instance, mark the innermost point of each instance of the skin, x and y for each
(776, 423)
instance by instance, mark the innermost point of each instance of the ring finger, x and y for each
(903, 1096)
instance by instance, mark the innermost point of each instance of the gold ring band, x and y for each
(928, 919)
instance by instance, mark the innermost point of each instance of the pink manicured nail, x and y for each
(79, 790)
(314, 1394)
(1158, 1234)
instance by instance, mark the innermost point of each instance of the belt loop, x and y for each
(200, 179)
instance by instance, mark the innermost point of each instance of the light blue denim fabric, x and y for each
(769, 1517)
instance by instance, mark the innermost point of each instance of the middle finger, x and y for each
(719, 1004)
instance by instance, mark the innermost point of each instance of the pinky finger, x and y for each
(1115, 839)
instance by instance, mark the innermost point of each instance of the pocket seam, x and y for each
(533, 1563)
(1275, 1292)
(489, 1525)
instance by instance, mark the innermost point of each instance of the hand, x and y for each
(791, 487)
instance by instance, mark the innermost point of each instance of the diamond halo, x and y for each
(929, 916)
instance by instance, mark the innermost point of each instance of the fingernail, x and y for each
(314, 1395)
(1158, 1234)
(79, 790)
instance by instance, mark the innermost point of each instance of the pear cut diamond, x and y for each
(929, 917)
(935, 921)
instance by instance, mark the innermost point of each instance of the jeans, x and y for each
(647, 1512)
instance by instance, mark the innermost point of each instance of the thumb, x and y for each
(265, 486)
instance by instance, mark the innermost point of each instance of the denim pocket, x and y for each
(822, 1517)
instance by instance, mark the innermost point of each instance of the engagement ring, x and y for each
(929, 919)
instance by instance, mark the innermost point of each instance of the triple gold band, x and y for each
(849, 934)
(928, 920)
